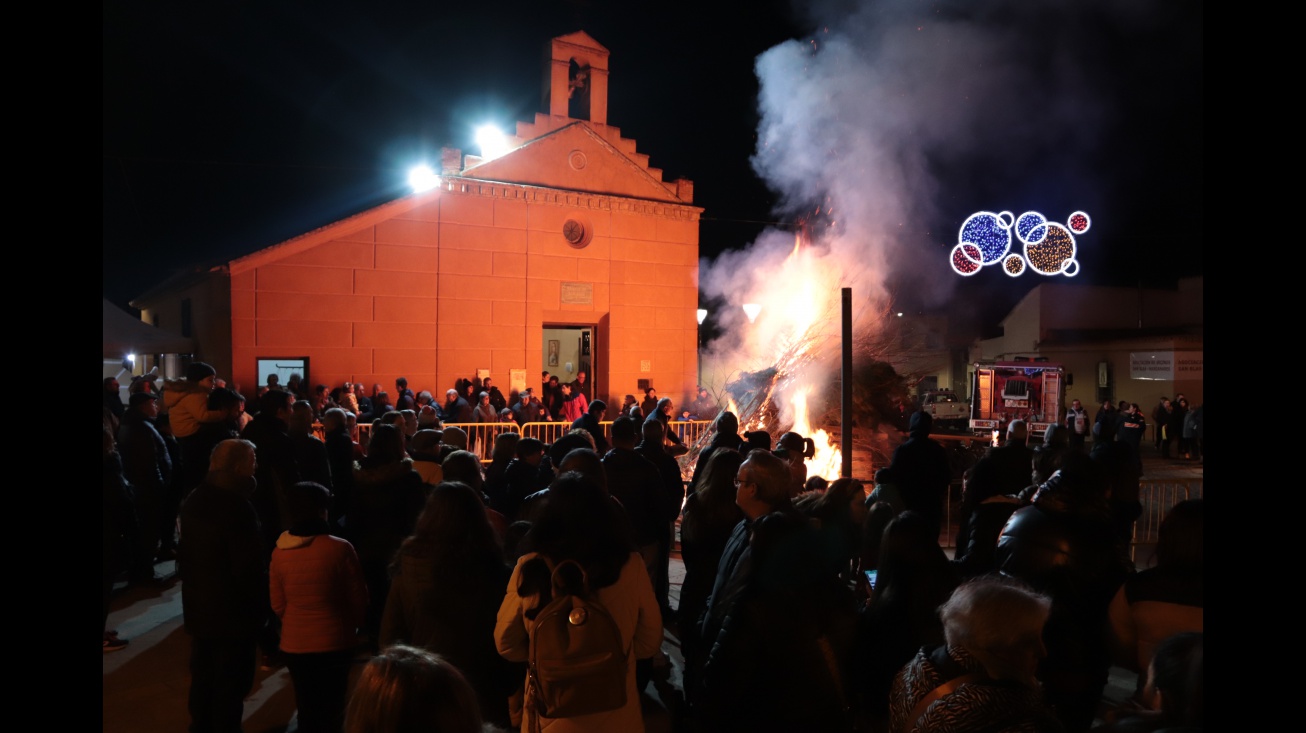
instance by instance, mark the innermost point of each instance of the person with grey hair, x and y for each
(484, 411)
(761, 487)
(455, 409)
(983, 676)
(223, 565)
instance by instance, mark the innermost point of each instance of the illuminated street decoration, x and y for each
(1049, 247)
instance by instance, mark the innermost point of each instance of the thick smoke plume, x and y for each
(881, 132)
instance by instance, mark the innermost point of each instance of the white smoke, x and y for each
(865, 120)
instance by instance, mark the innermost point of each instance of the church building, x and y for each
(566, 252)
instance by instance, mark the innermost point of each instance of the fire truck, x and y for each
(1003, 391)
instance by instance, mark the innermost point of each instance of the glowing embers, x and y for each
(985, 239)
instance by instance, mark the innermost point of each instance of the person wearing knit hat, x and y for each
(199, 371)
(187, 401)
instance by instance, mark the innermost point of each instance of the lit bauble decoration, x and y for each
(1049, 255)
(990, 232)
(966, 259)
(1030, 227)
(985, 239)
(1013, 265)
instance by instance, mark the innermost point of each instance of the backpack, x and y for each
(577, 662)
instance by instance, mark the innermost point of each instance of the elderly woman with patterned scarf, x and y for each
(983, 677)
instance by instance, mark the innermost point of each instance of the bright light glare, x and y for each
(701, 315)
(131, 358)
(492, 141)
(422, 178)
(751, 310)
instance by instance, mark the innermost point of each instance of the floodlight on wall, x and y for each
(751, 310)
(492, 141)
(422, 178)
(701, 314)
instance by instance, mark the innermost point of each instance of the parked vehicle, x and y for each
(948, 410)
(1033, 391)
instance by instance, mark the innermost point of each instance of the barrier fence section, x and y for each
(481, 435)
(1157, 498)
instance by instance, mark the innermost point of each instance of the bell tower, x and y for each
(576, 78)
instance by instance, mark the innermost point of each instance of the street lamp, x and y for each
(701, 314)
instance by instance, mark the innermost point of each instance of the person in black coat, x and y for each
(633, 480)
(455, 408)
(147, 466)
(671, 496)
(1066, 545)
(119, 530)
(777, 664)
(310, 451)
(223, 564)
(388, 497)
(921, 471)
(340, 456)
(591, 423)
(1004, 469)
(725, 434)
(269, 431)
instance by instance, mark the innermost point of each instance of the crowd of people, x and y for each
(806, 604)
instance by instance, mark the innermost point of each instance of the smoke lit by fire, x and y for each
(856, 124)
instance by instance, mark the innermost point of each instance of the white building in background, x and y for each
(1115, 343)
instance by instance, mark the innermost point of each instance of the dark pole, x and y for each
(846, 414)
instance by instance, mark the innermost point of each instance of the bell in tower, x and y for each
(576, 81)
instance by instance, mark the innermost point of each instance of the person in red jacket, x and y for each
(318, 592)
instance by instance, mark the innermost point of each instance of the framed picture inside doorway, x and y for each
(553, 352)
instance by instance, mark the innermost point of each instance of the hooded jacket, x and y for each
(317, 590)
(188, 406)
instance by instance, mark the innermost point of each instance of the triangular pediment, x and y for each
(581, 38)
(574, 158)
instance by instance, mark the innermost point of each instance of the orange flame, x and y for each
(828, 461)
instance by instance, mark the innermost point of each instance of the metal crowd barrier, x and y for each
(481, 435)
(1157, 498)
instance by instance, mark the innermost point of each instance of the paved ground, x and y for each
(145, 685)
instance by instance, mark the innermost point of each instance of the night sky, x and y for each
(231, 127)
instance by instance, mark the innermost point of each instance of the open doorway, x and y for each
(568, 351)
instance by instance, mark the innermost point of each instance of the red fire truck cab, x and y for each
(1003, 391)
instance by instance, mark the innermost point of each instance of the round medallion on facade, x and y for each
(577, 160)
(576, 233)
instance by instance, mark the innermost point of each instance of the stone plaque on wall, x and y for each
(516, 380)
(577, 293)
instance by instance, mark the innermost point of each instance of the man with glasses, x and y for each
(761, 487)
